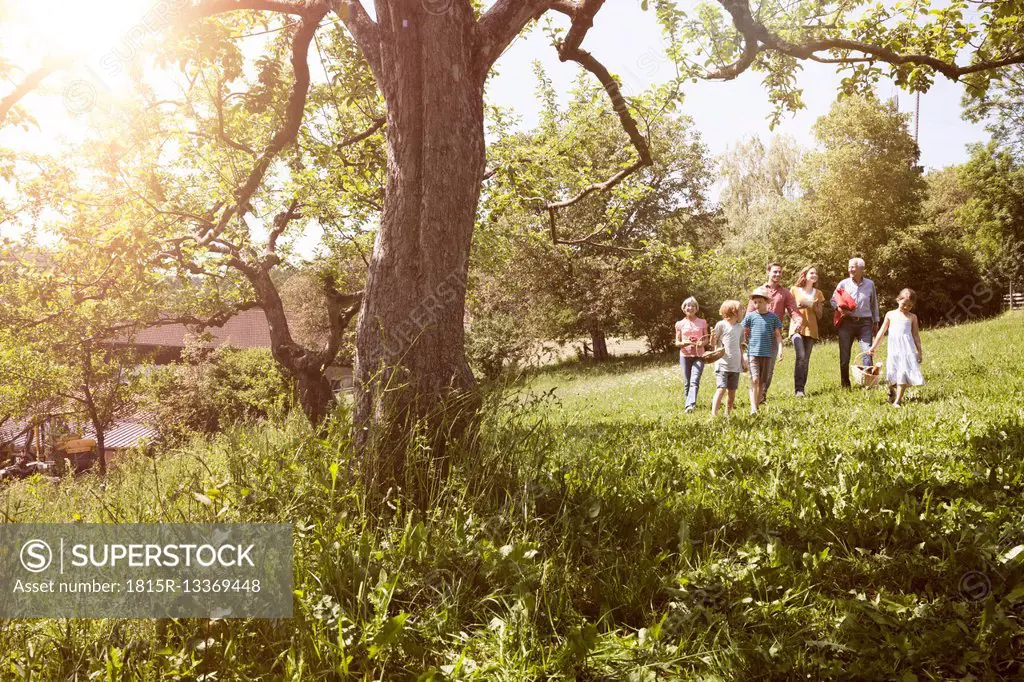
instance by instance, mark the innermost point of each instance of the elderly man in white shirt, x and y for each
(861, 323)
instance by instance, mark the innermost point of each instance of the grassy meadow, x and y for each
(594, 531)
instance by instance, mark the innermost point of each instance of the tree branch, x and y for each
(500, 25)
(364, 31)
(281, 221)
(218, 319)
(289, 130)
(209, 8)
(588, 240)
(376, 125)
(221, 131)
(570, 50)
(341, 308)
(30, 83)
(751, 48)
(755, 32)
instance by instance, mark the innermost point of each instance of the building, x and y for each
(164, 345)
(248, 329)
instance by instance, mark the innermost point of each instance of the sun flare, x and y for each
(85, 29)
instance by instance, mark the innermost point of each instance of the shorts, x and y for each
(761, 368)
(727, 380)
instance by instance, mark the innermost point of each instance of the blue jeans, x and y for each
(692, 369)
(850, 329)
(802, 347)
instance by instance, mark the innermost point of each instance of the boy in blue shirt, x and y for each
(764, 338)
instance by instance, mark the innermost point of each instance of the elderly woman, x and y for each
(804, 331)
(859, 318)
(691, 339)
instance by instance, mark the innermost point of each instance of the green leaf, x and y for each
(334, 475)
(388, 634)
(1016, 594)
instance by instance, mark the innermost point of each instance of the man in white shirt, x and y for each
(861, 323)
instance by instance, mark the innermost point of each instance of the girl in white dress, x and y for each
(904, 356)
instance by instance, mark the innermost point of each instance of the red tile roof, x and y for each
(247, 329)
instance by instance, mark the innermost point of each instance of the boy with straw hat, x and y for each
(764, 338)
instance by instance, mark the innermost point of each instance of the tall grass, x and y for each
(597, 532)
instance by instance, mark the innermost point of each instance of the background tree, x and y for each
(73, 310)
(759, 179)
(856, 193)
(991, 219)
(936, 265)
(1001, 107)
(229, 259)
(862, 186)
(601, 268)
(27, 396)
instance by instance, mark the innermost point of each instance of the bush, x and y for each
(494, 344)
(939, 269)
(210, 390)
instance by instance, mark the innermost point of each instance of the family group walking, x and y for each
(856, 316)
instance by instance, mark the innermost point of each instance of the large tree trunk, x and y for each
(410, 361)
(600, 344)
(314, 393)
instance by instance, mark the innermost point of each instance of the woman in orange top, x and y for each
(804, 333)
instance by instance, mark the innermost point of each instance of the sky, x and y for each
(628, 41)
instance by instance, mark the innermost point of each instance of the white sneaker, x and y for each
(799, 394)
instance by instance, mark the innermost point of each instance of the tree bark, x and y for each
(92, 408)
(600, 344)
(99, 427)
(307, 368)
(311, 387)
(410, 360)
(314, 393)
(100, 447)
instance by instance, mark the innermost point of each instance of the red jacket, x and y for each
(845, 304)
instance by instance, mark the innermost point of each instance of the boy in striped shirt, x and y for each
(764, 338)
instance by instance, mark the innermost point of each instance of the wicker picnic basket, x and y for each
(710, 355)
(865, 375)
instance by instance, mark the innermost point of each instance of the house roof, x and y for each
(125, 433)
(247, 329)
(9, 429)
